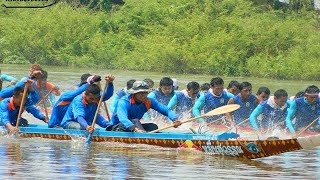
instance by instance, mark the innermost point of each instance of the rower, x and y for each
(233, 87)
(165, 91)
(184, 100)
(37, 74)
(9, 109)
(81, 112)
(61, 106)
(204, 88)
(263, 94)
(274, 111)
(305, 109)
(132, 107)
(214, 98)
(247, 102)
(163, 95)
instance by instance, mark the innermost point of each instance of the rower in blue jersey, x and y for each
(204, 88)
(214, 98)
(42, 87)
(305, 109)
(263, 94)
(184, 100)
(61, 106)
(247, 102)
(120, 94)
(132, 107)
(233, 87)
(82, 109)
(163, 95)
(165, 91)
(273, 110)
(9, 109)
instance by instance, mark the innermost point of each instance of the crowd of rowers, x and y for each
(133, 106)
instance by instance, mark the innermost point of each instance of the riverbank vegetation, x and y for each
(219, 37)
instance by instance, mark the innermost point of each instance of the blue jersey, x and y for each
(79, 107)
(128, 110)
(271, 115)
(181, 102)
(9, 113)
(208, 102)
(160, 97)
(304, 113)
(61, 106)
(246, 107)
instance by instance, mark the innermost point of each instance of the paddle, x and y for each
(217, 111)
(43, 102)
(22, 104)
(306, 128)
(88, 141)
(104, 104)
(45, 97)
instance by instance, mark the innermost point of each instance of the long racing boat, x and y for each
(226, 144)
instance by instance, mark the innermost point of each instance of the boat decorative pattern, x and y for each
(246, 149)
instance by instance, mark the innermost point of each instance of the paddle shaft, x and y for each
(42, 98)
(45, 97)
(172, 125)
(306, 128)
(99, 104)
(22, 104)
(105, 104)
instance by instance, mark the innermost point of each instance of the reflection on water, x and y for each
(45, 159)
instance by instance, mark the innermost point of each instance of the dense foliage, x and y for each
(220, 37)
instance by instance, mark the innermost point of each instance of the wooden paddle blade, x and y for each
(222, 110)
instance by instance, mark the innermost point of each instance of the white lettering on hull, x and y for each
(222, 150)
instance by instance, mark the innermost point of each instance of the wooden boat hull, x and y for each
(247, 149)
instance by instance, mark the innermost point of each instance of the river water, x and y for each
(52, 159)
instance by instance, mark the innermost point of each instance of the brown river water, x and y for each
(51, 159)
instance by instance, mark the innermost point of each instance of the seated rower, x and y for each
(204, 88)
(82, 109)
(43, 87)
(247, 102)
(214, 98)
(274, 111)
(184, 100)
(132, 107)
(9, 109)
(305, 109)
(263, 94)
(61, 106)
(233, 87)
